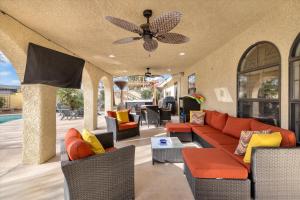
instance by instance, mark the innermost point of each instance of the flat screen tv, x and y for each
(50, 67)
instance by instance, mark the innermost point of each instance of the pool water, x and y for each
(7, 118)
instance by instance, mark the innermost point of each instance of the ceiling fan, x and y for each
(151, 32)
(148, 74)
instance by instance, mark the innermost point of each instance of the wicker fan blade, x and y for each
(165, 22)
(127, 40)
(172, 38)
(124, 24)
(150, 45)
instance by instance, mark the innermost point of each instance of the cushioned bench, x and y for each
(180, 130)
(212, 174)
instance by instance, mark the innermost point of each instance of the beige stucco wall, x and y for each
(219, 69)
(39, 128)
(16, 101)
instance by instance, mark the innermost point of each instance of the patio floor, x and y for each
(17, 181)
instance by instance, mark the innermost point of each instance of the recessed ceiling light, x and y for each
(181, 53)
(111, 56)
(169, 70)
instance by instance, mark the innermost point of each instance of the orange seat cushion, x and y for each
(178, 127)
(72, 133)
(218, 120)
(213, 163)
(78, 149)
(128, 125)
(222, 139)
(112, 114)
(229, 149)
(234, 126)
(288, 137)
(205, 130)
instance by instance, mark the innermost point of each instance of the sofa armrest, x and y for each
(274, 168)
(106, 139)
(135, 118)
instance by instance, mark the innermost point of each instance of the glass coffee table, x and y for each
(169, 152)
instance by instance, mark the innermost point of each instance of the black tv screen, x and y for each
(50, 67)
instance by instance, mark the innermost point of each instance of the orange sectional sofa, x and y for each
(225, 174)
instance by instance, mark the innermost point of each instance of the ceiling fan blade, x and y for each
(127, 40)
(124, 24)
(165, 22)
(172, 38)
(150, 45)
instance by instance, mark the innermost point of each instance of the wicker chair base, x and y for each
(183, 137)
(218, 189)
(127, 133)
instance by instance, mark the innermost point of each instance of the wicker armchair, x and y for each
(108, 176)
(152, 115)
(112, 125)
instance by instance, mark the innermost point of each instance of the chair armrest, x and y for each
(135, 118)
(275, 168)
(112, 124)
(106, 139)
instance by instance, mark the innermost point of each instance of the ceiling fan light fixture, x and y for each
(182, 53)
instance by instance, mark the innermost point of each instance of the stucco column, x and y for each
(108, 88)
(90, 95)
(39, 129)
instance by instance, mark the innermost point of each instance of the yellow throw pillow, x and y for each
(123, 116)
(92, 140)
(262, 140)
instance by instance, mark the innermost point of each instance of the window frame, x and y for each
(292, 101)
(261, 67)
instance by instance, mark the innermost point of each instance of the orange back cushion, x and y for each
(78, 149)
(218, 120)
(72, 133)
(288, 137)
(112, 114)
(234, 126)
(208, 116)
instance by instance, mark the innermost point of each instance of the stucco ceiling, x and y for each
(80, 26)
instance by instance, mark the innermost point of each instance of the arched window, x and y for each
(258, 87)
(294, 87)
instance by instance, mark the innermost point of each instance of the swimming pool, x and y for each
(7, 118)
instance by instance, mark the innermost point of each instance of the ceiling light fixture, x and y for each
(181, 53)
(111, 56)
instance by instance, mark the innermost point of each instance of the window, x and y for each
(191, 84)
(258, 79)
(294, 88)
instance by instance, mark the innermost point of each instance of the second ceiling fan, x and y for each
(151, 32)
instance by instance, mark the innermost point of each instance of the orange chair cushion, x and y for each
(112, 114)
(178, 127)
(72, 133)
(288, 137)
(218, 120)
(78, 149)
(110, 149)
(128, 125)
(213, 163)
(234, 126)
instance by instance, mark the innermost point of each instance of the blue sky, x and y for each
(8, 75)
